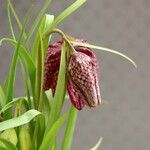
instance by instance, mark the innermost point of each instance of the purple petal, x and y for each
(52, 62)
(75, 96)
(82, 85)
(83, 72)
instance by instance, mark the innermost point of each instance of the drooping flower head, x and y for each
(82, 80)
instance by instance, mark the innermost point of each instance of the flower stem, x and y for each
(64, 37)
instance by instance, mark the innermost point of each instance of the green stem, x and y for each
(64, 37)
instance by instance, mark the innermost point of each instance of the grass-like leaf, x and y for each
(63, 15)
(7, 145)
(96, 147)
(18, 121)
(40, 128)
(23, 54)
(16, 17)
(38, 54)
(46, 104)
(12, 73)
(2, 98)
(104, 49)
(41, 49)
(11, 104)
(38, 77)
(60, 91)
(45, 23)
(53, 132)
(47, 98)
(25, 83)
(38, 19)
(41, 78)
(71, 123)
(10, 23)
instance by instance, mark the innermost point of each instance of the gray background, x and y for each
(118, 24)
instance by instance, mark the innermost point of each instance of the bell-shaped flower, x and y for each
(82, 76)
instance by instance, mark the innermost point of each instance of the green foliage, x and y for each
(5, 145)
(64, 14)
(2, 98)
(37, 116)
(60, 91)
(71, 122)
(11, 104)
(104, 49)
(18, 121)
(52, 132)
(12, 72)
(24, 139)
(10, 135)
(32, 65)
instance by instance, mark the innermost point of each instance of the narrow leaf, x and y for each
(39, 54)
(26, 57)
(60, 91)
(39, 17)
(53, 132)
(16, 17)
(96, 147)
(10, 23)
(39, 91)
(11, 104)
(63, 15)
(104, 49)
(6, 144)
(2, 98)
(12, 73)
(25, 83)
(45, 23)
(38, 77)
(71, 123)
(10, 135)
(18, 121)
(22, 52)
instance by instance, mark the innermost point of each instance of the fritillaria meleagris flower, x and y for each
(82, 80)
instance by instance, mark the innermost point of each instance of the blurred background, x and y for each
(124, 25)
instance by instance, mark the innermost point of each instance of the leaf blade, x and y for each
(45, 23)
(105, 49)
(13, 68)
(71, 122)
(97, 145)
(18, 121)
(10, 104)
(8, 145)
(16, 17)
(37, 20)
(10, 22)
(53, 132)
(60, 91)
(63, 15)
(2, 97)
(26, 57)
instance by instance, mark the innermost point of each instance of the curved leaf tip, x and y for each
(96, 147)
(105, 49)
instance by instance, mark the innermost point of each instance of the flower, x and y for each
(82, 78)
